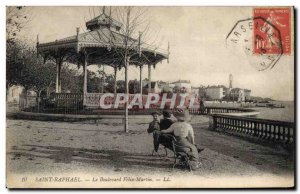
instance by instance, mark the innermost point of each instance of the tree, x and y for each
(71, 79)
(132, 19)
(102, 77)
(18, 53)
(16, 19)
(94, 80)
(14, 63)
(24, 68)
(120, 86)
(134, 86)
(133, 31)
(110, 79)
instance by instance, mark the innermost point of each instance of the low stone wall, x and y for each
(76, 118)
(267, 130)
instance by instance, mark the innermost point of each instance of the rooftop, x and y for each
(218, 86)
(103, 35)
(182, 81)
(103, 20)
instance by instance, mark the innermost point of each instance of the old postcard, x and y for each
(150, 97)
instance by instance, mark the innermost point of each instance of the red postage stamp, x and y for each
(272, 31)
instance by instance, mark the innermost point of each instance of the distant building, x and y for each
(13, 93)
(215, 92)
(230, 81)
(202, 92)
(183, 86)
(239, 94)
(234, 93)
(171, 86)
(227, 91)
(165, 86)
(195, 91)
(247, 94)
(154, 88)
(241, 97)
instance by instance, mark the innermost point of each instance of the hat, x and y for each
(155, 113)
(182, 114)
(166, 114)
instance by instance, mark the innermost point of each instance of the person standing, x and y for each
(154, 125)
(155, 128)
(202, 106)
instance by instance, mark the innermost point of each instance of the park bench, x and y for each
(180, 157)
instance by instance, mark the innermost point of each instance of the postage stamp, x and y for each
(273, 31)
(264, 38)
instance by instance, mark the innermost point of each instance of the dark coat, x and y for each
(165, 124)
(158, 138)
(153, 126)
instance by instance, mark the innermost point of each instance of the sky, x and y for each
(198, 50)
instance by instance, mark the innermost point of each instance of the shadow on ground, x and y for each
(115, 158)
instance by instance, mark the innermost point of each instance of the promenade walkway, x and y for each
(44, 148)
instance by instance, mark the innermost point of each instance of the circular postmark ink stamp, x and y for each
(260, 38)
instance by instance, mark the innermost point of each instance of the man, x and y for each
(155, 127)
(184, 135)
(166, 122)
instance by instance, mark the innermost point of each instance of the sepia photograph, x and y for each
(150, 97)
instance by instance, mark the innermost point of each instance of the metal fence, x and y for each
(28, 103)
(69, 103)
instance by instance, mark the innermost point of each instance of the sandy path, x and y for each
(37, 147)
